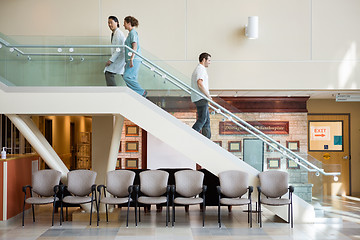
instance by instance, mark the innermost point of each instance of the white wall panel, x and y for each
(335, 32)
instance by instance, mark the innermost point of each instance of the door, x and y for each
(254, 153)
(329, 142)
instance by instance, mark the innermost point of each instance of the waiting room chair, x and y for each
(153, 190)
(188, 186)
(273, 187)
(81, 183)
(45, 185)
(233, 186)
(119, 183)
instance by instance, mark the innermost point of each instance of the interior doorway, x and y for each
(329, 142)
(254, 153)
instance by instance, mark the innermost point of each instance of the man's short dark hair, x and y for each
(204, 55)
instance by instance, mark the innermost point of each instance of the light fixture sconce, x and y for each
(252, 28)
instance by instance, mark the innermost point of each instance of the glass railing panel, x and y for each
(184, 77)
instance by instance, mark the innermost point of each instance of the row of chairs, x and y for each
(154, 190)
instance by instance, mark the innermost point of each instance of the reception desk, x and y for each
(15, 172)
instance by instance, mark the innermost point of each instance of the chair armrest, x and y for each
(93, 188)
(168, 188)
(25, 187)
(62, 188)
(218, 188)
(131, 189)
(173, 188)
(136, 188)
(291, 189)
(259, 189)
(251, 189)
(56, 189)
(204, 188)
(100, 187)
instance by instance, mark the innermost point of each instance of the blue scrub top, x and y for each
(131, 38)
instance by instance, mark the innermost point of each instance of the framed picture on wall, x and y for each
(290, 164)
(131, 163)
(85, 137)
(234, 146)
(131, 130)
(120, 147)
(132, 146)
(270, 148)
(218, 143)
(273, 163)
(293, 145)
(118, 163)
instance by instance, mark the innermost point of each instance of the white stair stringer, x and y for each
(93, 101)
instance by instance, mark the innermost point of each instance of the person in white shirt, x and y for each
(116, 63)
(200, 82)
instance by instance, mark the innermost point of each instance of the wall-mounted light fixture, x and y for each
(252, 28)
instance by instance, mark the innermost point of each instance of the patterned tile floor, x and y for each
(341, 220)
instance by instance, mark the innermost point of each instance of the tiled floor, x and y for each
(341, 221)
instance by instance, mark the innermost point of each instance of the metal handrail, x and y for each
(174, 80)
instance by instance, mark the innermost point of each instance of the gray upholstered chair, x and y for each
(119, 183)
(273, 187)
(81, 185)
(153, 190)
(45, 184)
(188, 186)
(233, 186)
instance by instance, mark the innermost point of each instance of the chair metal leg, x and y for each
(219, 217)
(167, 213)
(33, 212)
(106, 210)
(127, 214)
(52, 220)
(136, 214)
(260, 220)
(98, 215)
(173, 214)
(61, 213)
(250, 213)
(23, 216)
(292, 216)
(91, 207)
(289, 220)
(203, 213)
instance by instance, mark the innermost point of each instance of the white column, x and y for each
(37, 140)
(102, 128)
(115, 142)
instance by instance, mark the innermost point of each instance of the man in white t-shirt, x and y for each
(200, 82)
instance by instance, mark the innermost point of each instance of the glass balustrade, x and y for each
(69, 64)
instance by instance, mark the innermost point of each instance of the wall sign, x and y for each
(325, 135)
(267, 127)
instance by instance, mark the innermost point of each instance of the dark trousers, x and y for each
(110, 78)
(202, 123)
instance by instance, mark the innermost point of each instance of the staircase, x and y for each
(64, 97)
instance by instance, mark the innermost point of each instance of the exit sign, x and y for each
(320, 133)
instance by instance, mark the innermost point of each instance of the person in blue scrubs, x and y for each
(131, 59)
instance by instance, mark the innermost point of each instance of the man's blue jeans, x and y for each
(203, 118)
